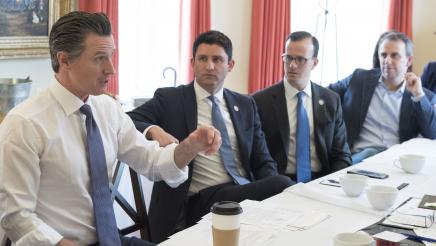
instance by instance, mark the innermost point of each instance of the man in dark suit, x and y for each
(428, 76)
(278, 110)
(387, 105)
(173, 113)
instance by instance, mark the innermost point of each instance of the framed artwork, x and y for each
(25, 26)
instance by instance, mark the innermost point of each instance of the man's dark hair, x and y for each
(300, 35)
(69, 32)
(213, 37)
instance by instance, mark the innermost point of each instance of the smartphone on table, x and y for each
(371, 174)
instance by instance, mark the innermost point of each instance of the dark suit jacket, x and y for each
(356, 92)
(175, 110)
(428, 76)
(329, 129)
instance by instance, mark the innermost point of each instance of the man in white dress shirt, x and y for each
(46, 188)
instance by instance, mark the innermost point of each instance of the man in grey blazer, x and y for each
(278, 110)
(387, 105)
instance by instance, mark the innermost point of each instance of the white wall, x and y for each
(424, 33)
(39, 70)
(233, 18)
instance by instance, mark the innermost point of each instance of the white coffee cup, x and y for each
(353, 184)
(225, 223)
(353, 239)
(410, 163)
(382, 197)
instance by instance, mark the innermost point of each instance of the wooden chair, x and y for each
(138, 215)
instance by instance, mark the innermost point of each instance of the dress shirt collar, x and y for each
(69, 102)
(399, 91)
(202, 94)
(291, 92)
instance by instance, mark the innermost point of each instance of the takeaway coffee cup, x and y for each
(410, 163)
(225, 223)
(353, 184)
(353, 239)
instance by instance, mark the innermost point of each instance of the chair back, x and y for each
(139, 215)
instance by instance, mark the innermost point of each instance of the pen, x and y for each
(416, 237)
(333, 181)
(403, 185)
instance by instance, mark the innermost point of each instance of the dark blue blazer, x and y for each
(428, 76)
(356, 92)
(175, 110)
(329, 128)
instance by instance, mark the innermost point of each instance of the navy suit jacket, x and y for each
(329, 129)
(428, 76)
(175, 110)
(356, 92)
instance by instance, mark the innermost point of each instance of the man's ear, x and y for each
(63, 59)
(315, 62)
(409, 61)
(230, 65)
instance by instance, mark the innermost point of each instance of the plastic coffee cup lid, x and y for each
(226, 208)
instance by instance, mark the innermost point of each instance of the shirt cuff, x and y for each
(146, 130)
(42, 235)
(169, 171)
(418, 98)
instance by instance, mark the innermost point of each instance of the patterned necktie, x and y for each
(226, 151)
(302, 151)
(105, 222)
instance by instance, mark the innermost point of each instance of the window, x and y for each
(349, 32)
(148, 43)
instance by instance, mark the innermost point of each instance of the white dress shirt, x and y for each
(44, 175)
(291, 104)
(209, 169)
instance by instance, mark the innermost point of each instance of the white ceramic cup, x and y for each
(410, 163)
(353, 239)
(353, 184)
(225, 223)
(382, 197)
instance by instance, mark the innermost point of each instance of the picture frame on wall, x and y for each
(26, 24)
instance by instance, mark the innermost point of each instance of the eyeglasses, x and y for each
(299, 60)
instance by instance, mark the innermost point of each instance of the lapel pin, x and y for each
(321, 102)
(236, 108)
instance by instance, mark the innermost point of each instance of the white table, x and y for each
(347, 214)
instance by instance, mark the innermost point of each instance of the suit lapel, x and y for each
(190, 107)
(368, 90)
(320, 119)
(235, 114)
(281, 114)
(238, 119)
(405, 114)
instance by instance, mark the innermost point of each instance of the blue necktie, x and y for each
(105, 222)
(226, 151)
(304, 173)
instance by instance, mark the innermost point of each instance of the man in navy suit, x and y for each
(277, 106)
(387, 105)
(428, 76)
(173, 113)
